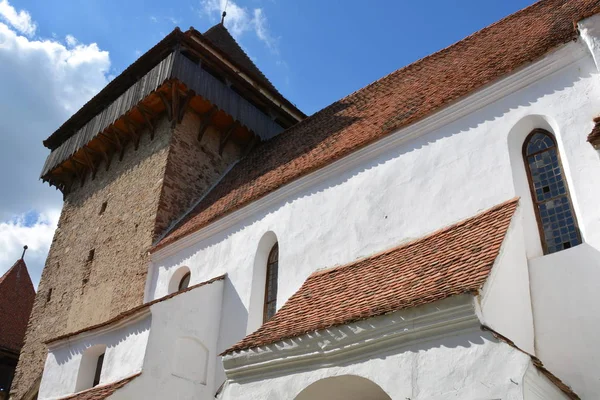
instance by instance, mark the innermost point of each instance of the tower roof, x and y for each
(16, 301)
(220, 37)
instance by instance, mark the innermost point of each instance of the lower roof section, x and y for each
(102, 391)
(449, 262)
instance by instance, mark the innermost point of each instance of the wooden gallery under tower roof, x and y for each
(130, 163)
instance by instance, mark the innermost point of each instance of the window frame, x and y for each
(188, 276)
(98, 370)
(532, 194)
(269, 270)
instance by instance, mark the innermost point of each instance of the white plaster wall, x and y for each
(565, 290)
(125, 350)
(189, 321)
(418, 186)
(505, 300)
(470, 365)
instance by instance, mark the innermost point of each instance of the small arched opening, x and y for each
(90, 368)
(258, 294)
(180, 280)
(345, 387)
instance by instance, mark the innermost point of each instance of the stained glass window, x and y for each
(550, 194)
(271, 285)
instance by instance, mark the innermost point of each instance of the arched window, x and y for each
(271, 285)
(185, 282)
(180, 280)
(554, 212)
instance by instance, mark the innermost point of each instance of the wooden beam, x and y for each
(114, 142)
(120, 145)
(89, 161)
(167, 105)
(184, 104)
(77, 172)
(174, 103)
(147, 115)
(100, 153)
(132, 128)
(205, 122)
(226, 136)
(255, 140)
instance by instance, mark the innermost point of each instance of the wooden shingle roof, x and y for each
(452, 261)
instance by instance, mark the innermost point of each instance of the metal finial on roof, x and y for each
(223, 17)
(24, 250)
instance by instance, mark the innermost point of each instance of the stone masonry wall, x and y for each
(88, 292)
(144, 194)
(192, 169)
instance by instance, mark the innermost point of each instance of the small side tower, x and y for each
(130, 163)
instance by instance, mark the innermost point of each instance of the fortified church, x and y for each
(434, 235)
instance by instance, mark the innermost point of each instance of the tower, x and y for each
(130, 163)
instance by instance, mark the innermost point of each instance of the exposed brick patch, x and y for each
(395, 101)
(449, 262)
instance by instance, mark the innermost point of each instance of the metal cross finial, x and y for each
(24, 250)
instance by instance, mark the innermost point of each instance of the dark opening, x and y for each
(91, 255)
(98, 370)
(103, 207)
(49, 296)
(271, 285)
(184, 283)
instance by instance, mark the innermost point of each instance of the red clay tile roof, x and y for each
(131, 312)
(448, 262)
(101, 392)
(393, 102)
(220, 37)
(16, 301)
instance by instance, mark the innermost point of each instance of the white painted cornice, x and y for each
(550, 64)
(102, 330)
(355, 341)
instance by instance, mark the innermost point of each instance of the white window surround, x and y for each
(87, 367)
(176, 279)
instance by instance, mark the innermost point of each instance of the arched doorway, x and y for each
(345, 387)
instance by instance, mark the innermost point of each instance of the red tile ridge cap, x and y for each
(133, 311)
(410, 243)
(100, 391)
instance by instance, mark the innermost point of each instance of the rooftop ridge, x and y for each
(397, 100)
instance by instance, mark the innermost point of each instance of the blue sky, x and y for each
(56, 54)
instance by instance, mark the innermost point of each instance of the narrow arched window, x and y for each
(553, 208)
(271, 285)
(98, 371)
(184, 283)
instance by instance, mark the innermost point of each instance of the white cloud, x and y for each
(21, 21)
(45, 81)
(37, 235)
(240, 20)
